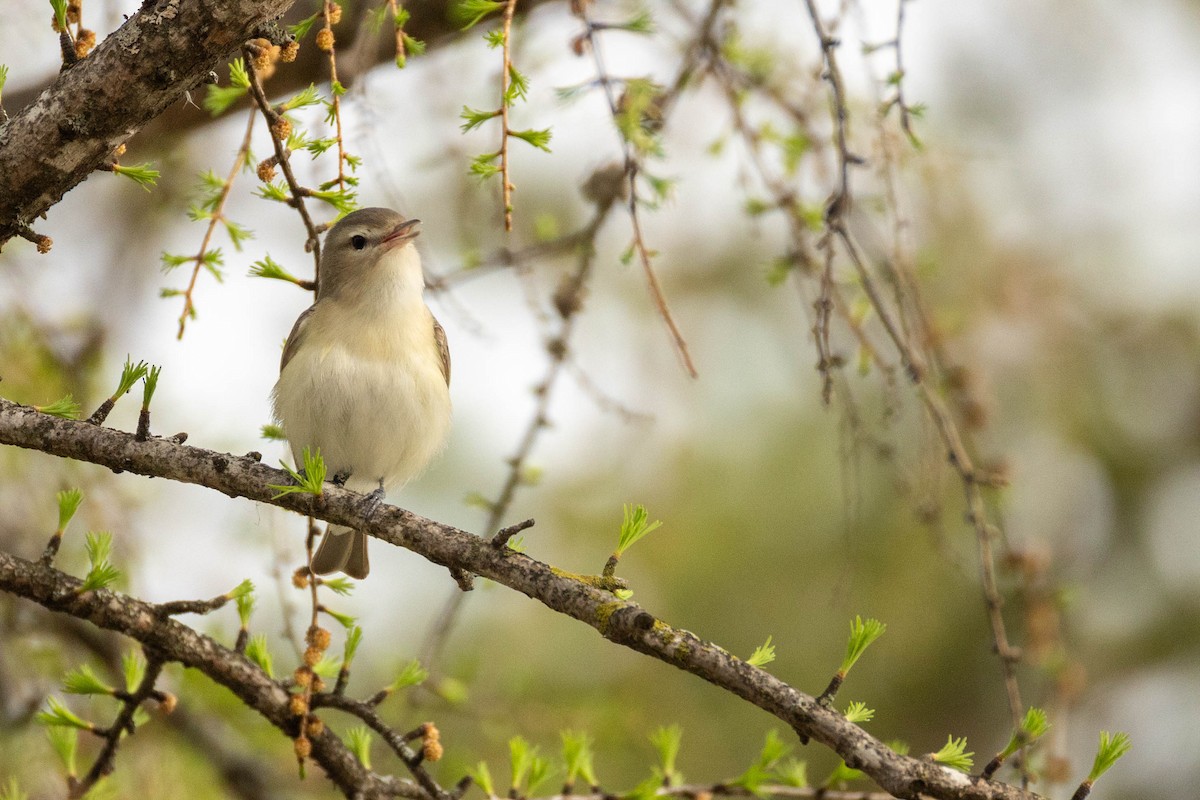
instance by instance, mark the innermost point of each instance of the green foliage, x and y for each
(666, 741)
(763, 654)
(101, 573)
(312, 481)
(468, 13)
(527, 769)
(301, 28)
(267, 267)
(237, 233)
(68, 504)
(862, 634)
(150, 384)
(256, 651)
(483, 165)
(483, 778)
(353, 640)
(12, 790)
(539, 139)
(340, 586)
(64, 740)
(518, 86)
(83, 680)
(59, 715)
(638, 115)
(641, 22)
(842, 774)
(473, 118)
(858, 712)
(577, 755)
(308, 97)
(411, 674)
(764, 767)
(1033, 727)
(245, 607)
(273, 191)
(793, 772)
(327, 667)
(1112, 747)
(142, 174)
(130, 374)
(343, 200)
(64, 407)
(133, 667)
(273, 433)
(358, 739)
(3, 79)
(60, 13)
(954, 754)
(345, 620)
(635, 526)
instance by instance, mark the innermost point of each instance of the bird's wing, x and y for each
(439, 336)
(295, 337)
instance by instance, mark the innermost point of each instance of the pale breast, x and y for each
(371, 396)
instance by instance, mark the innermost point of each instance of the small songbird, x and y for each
(365, 375)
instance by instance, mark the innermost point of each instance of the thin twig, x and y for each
(283, 158)
(215, 217)
(122, 725)
(510, 8)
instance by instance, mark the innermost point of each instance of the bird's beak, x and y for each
(404, 232)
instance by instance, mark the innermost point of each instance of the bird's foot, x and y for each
(375, 500)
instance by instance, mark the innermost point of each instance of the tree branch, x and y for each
(623, 622)
(164, 50)
(174, 641)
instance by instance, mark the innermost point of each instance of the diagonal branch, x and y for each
(163, 51)
(173, 641)
(623, 622)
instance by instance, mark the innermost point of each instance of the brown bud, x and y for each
(298, 706)
(432, 750)
(318, 684)
(303, 747)
(579, 45)
(300, 576)
(74, 9)
(281, 129)
(266, 174)
(303, 676)
(318, 637)
(334, 13)
(168, 702)
(120, 151)
(312, 656)
(85, 42)
(289, 51)
(54, 23)
(325, 40)
(44, 243)
(314, 727)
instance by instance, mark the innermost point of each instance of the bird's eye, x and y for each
(358, 241)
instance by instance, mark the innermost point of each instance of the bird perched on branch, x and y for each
(365, 375)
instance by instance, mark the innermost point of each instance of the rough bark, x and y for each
(164, 50)
(623, 622)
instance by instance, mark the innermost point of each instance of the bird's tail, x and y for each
(342, 549)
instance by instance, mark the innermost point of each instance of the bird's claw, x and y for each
(374, 501)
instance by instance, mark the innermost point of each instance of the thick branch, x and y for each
(174, 641)
(623, 622)
(164, 50)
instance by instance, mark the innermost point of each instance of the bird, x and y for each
(365, 372)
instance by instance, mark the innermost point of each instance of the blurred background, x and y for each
(1049, 216)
